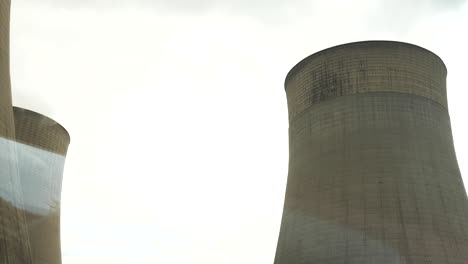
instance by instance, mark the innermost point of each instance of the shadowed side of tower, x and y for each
(42, 147)
(373, 176)
(6, 112)
(14, 238)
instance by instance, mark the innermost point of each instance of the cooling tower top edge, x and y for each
(298, 66)
(46, 118)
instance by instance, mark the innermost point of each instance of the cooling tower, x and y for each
(31, 168)
(6, 112)
(373, 176)
(14, 238)
(41, 149)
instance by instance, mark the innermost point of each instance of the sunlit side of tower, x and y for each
(373, 176)
(32, 156)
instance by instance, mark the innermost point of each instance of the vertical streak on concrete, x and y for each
(6, 112)
(14, 245)
(373, 176)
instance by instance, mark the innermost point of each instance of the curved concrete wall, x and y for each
(6, 113)
(40, 131)
(373, 176)
(14, 237)
(372, 66)
(41, 149)
(31, 168)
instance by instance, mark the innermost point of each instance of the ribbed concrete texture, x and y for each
(31, 168)
(40, 131)
(14, 238)
(42, 146)
(6, 112)
(373, 176)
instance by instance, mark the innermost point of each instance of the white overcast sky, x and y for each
(178, 117)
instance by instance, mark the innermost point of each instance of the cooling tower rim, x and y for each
(44, 117)
(357, 43)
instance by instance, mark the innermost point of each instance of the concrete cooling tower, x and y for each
(32, 156)
(373, 176)
(6, 111)
(41, 148)
(14, 238)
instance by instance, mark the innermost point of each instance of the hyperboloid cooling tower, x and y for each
(373, 176)
(41, 148)
(14, 238)
(32, 156)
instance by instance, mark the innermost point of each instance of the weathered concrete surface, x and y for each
(14, 237)
(6, 111)
(31, 167)
(373, 176)
(41, 149)
(40, 131)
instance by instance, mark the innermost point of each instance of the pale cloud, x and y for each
(241, 4)
(390, 16)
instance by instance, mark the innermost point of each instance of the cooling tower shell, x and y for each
(31, 167)
(41, 149)
(14, 237)
(6, 113)
(40, 131)
(373, 176)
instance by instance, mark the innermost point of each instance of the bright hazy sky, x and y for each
(178, 116)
